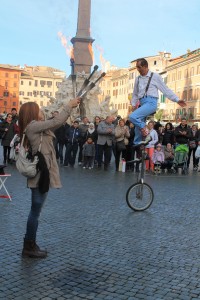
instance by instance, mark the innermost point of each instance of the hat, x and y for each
(2, 169)
(158, 145)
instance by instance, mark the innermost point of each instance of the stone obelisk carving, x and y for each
(82, 42)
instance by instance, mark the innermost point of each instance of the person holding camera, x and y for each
(39, 130)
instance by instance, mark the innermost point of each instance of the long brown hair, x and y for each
(28, 112)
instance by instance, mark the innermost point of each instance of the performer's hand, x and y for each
(182, 103)
(75, 102)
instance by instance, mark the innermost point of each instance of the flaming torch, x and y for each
(87, 88)
(87, 81)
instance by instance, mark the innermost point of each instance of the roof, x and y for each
(7, 66)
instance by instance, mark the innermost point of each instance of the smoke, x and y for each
(65, 43)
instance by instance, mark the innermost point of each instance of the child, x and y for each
(169, 156)
(88, 153)
(158, 158)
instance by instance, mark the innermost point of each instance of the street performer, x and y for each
(145, 97)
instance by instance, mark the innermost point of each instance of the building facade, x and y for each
(183, 77)
(38, 84)
(9, 87)
(115, 85)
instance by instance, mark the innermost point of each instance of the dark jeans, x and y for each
(106, 151)
(70, 154)
(80, 155)
(195, 160)
(88, 161)
(38, 200)
(6, 153)
(60, 150)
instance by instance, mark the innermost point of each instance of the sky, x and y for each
(123, 30)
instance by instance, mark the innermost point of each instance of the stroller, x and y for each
(180, 159)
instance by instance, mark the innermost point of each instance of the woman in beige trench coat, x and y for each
(32, 119)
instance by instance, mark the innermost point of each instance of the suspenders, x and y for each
(147, 87)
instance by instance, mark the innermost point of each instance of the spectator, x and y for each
(168, 134)
(82, 128)
(121, 134)
(158, 155)
(91, 132)
(97, 120)
(73, 137)
(32, 119)
(88, 153)
(169, 156)
(60, 134)
(106, 133)
(193, 143)
(182, 132)
(7, 128)
(150, 147)
(14, 115)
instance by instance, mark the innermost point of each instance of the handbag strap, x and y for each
(40, 145)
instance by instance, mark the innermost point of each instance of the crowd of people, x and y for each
(92, 144)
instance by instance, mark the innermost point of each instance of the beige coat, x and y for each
(119, 133)
(33, 133)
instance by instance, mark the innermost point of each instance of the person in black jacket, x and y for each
(7, 129)
(182, 132)
(60, 134)
(193, 143)
(72, 137)
(168, 134)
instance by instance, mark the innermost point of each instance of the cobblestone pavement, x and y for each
(97, 247)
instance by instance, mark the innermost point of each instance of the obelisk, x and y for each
(82, 42)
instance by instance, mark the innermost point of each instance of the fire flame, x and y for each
(104, 63)
(68, 48)
(91, 51)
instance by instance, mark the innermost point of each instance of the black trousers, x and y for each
(107, 152)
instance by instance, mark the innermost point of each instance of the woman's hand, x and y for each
(74, 102)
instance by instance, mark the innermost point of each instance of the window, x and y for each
(184, 95)
(41, 103)
(15, 75)
(29, 83)
(198, 69)
(154, 62)
(14, 95)
(173, 76)
(6, 84)
(190, 94)
(5, 103)
(14, 104)
(58, 84)
(15, 84)
(22, 82)
(6, 94)
(36, 82)
(42, 83)
(6, 74)
(192, 71)
(186, 73)
(179, 75)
